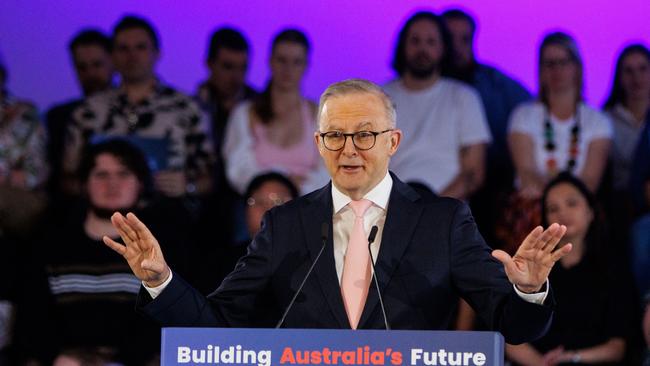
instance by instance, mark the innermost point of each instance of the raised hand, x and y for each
(141, 250)
(529, 268)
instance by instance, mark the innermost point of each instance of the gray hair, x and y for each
(351, 86)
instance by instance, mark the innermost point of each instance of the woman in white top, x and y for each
(558, 132)
(275, 132)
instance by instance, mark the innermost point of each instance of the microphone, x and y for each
(324, 234)
(371, 239)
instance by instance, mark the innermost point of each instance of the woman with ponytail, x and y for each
(275, 131)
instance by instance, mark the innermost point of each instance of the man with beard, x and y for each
(445, 131)
(500, 95)
(84, 302)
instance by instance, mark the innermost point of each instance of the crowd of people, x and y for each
(201, 170)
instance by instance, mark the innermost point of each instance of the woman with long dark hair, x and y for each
(275, 131)
(594, 303)
(627, 106)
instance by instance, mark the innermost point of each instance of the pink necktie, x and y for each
(356, 266)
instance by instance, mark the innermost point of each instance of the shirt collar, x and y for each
(379, 195)
(159, 88)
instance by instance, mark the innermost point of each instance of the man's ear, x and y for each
(317, 141)
(395, 140)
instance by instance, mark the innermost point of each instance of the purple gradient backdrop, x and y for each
(350, 38)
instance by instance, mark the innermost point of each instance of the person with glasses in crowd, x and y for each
(217, 258)
(558, 132)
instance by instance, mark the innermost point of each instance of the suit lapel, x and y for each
(402, 217)
(317, 210)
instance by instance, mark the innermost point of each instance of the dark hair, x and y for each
(262, 105)
(136, 22)
(399, 59)
(89, 356)
(259, 180)
(127, 153)
(596, 236)
(229, 38)
(617, 94)
(90, 37)
(460, 15)
(569, 44)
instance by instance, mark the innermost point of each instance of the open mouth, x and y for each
(351, 168)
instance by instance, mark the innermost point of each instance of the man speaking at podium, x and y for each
(427, 249)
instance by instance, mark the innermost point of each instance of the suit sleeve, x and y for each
(482, 282)
(233, 304)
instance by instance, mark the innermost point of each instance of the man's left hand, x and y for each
(529, 268)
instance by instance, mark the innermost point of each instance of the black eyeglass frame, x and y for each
(351, 135)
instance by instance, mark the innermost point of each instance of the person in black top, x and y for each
(90, 293)
(594, 298)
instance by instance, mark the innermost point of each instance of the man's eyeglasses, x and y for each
(272, 200)
(362, 140)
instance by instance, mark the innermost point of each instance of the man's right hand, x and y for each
(141, 249)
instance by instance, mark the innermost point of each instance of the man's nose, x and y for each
(348, 146)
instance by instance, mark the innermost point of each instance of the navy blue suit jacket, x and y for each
(431, 253)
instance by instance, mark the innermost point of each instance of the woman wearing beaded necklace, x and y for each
(558, 132)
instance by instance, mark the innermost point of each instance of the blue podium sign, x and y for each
(266, 347)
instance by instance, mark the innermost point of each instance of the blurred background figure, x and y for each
(556, 133)
(627, 106)
(444, 125)
(227, 61)
(217, 258)
(88, 300)
(228, 58)
(639, 254)
(445, 131)
(83, 357)
(646, 330)
(23, 168)
(169, 126)
(9, 275)
(595, 312)
(500, 94)
(263, 193)
(90, 51)
(275, 131)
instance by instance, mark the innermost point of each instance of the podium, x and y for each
(328, 347)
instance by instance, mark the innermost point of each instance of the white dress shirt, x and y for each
(343, 221)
